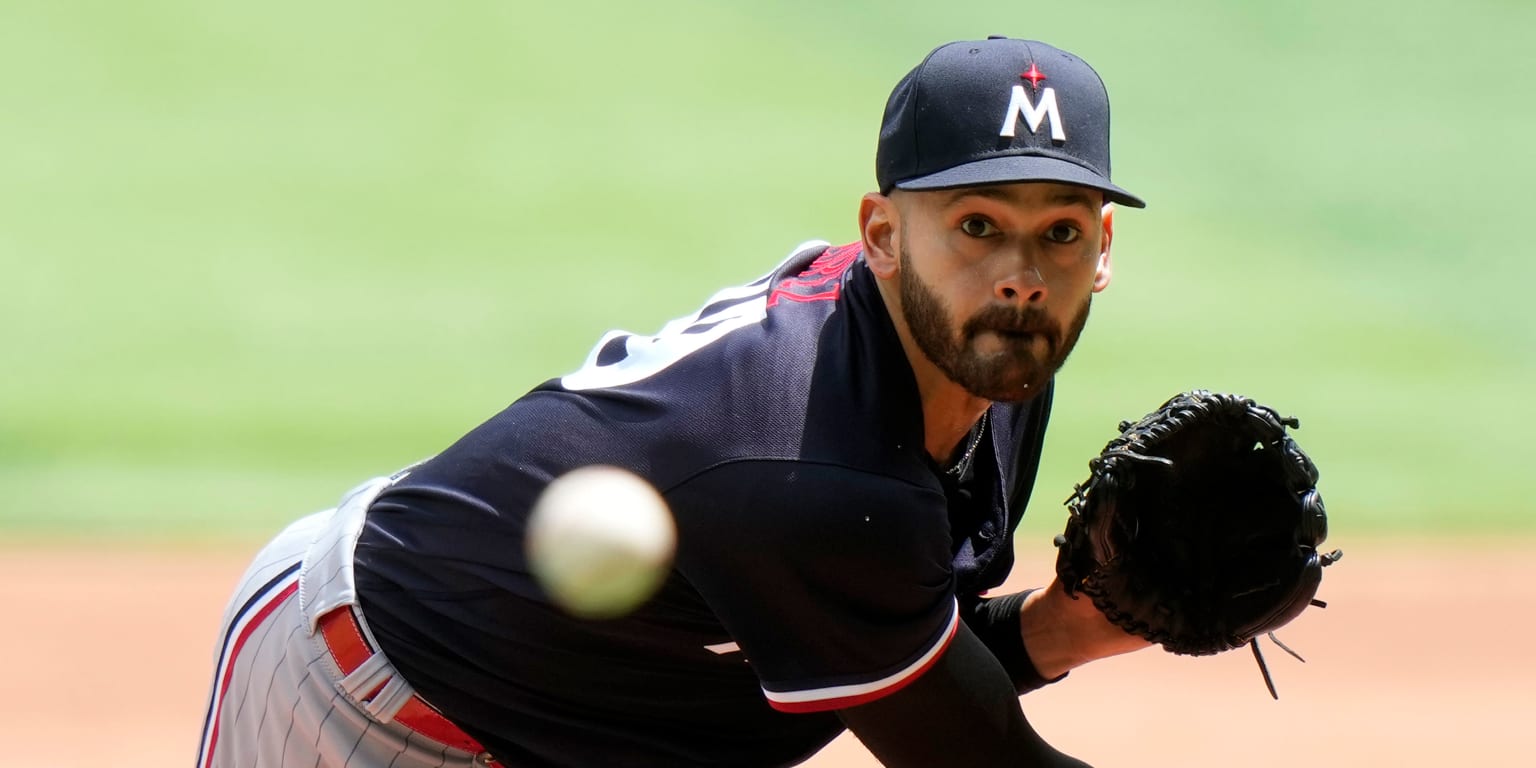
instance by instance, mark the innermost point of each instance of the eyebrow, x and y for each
(1068, 196)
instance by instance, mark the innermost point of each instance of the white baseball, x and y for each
(600, 541)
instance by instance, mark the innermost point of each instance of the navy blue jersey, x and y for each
(822, 556)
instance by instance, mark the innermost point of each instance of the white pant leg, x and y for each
(278, 699)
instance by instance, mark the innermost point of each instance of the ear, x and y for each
(879, 221)
(1105, 269)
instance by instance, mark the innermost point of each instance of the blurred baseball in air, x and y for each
(600, 541)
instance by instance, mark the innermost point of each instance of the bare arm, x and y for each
(1039, 635)
(1061, 632)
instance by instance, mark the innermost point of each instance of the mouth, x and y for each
(1014, 341)
(1016, 335)
(1010, 342)
(1013, 333)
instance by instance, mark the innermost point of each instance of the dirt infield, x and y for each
(1418, 661)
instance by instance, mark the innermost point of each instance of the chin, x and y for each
(1010, 389)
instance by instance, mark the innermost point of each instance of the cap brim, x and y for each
(1016, 168)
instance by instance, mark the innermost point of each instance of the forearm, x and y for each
(1040, 634)
(996, 621)
(1061, 633)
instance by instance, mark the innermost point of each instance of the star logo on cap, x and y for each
(1034, 75)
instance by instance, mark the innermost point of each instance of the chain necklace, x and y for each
(958, 468)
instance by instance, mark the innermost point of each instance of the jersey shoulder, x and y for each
(802, 363)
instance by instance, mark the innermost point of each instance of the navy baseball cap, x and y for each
(996, 111)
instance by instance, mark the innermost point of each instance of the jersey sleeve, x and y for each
(835, 583)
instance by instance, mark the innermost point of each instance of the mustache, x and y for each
(1031, 320)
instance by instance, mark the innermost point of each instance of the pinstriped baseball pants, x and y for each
(278, 698)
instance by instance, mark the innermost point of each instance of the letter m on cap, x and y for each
(1033, 113)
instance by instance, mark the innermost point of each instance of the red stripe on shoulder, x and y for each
(811, 285)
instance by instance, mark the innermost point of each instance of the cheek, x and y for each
(948, 277)
(1078, 270)
(964, 292)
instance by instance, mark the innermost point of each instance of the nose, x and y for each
(1022, 284)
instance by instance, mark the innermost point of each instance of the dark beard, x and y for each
(1012, 375)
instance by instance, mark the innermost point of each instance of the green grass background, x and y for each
(255, 252)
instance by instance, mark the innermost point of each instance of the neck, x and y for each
(949, 411)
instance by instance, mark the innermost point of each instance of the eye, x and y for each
(976, 226)
(1063, 233)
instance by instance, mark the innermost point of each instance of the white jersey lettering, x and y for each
(645, 356)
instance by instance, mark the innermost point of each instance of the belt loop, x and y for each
(388, 702)
(369, 676)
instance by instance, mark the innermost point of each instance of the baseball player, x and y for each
(847, 444)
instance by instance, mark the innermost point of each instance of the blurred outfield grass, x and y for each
(255, 252)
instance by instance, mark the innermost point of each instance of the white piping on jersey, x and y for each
(862, 689)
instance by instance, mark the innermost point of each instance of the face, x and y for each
(996, 282)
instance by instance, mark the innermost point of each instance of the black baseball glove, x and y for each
(1198, 527)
